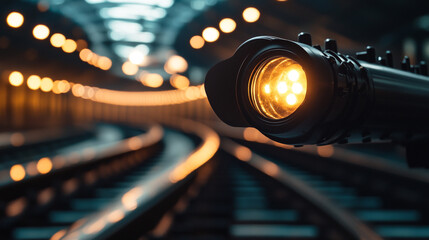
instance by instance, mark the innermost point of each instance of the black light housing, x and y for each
(347, 100)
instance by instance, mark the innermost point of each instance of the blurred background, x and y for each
(106, 131)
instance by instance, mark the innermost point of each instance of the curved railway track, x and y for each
(160, 184)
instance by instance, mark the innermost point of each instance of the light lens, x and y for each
(277, 87)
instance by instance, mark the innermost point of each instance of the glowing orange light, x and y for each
(69, 46)
(179, 81)
(196, 42)
(210, 34)
(58, 235)
(251, 14)
(204, 153)
(15, 19)
(17, 172)
(78, 90)
(278, 87)
(227, 25)
(243, 153)
(58, 40)
(104, 63)
(64, 86)
(85, 55)
(16, 79)
(46, 84)
(129, 68)
(44, 165)
(115, 216)
(153, 80)
(33, 82)
(129, 199)
(325, 151)
(270, 168)
(176, 64)
(41, 32)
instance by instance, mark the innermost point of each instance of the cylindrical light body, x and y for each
(346, 100)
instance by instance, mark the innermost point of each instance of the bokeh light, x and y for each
(197, 42)
(69, 46)
(46, 84)
(41, 32)
(179, 81)
(153, 80)
(227, 25)
(129, 68)
(251, 14)
(15, 19)
(16, 79)
(33, 82)
(58, 40)
(210, 34)
(176, 64)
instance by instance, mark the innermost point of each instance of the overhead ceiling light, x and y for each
(251, 14)
(210, 34)
(227, 25)
(122, 50)
(41, 32)
(176, 64)
(160, 3)
(133, 11)
(129, 68)
(95, 1)
(139, 37)
(15, 19)
(124, 26)
(138, 54)
(196, 42)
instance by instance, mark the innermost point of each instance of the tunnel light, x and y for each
(64, 86)
(133, 12)
(15, 19)
(136, 57)
(58, 40)
(78, 90)
(227, 25)
(85, 55)
(298, 94)
(46, 84)
(17, 172)
(69, 46)
(137, 37)
(210, 34)
(129, 68)
(153, 80)
(175, 64)
(124, 26)
(179, 81)
(40, 32)
(16, 79)
(33, 82)
(138, 54)
(44, 165)
(104, 63)
(160, 3)
(251, 14)
(196, 42)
